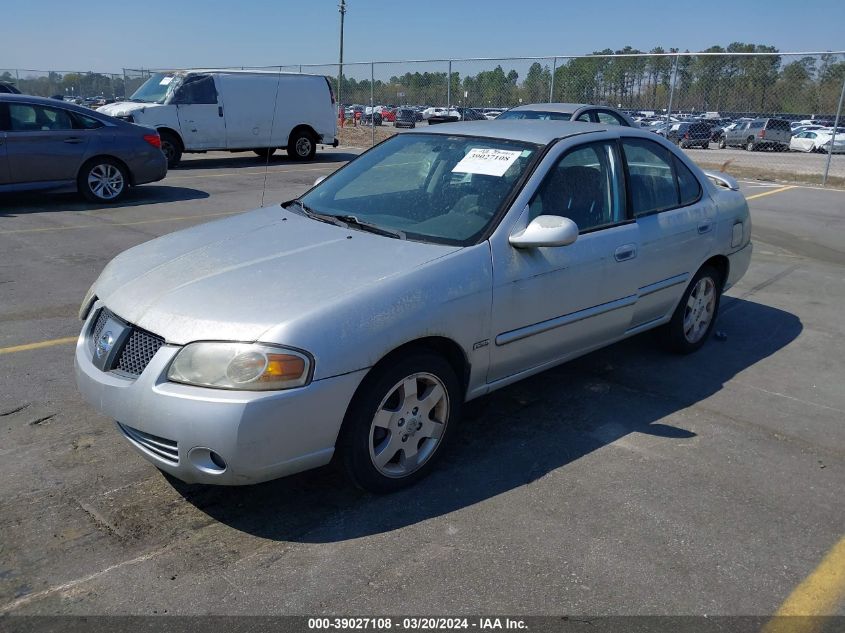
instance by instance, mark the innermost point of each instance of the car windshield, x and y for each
(156, 88)
(430, 187)
(535, 115)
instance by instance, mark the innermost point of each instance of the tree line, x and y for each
(633, 79)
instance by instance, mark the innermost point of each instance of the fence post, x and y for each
(833, 136)
(672, 87)
(449, 89)
(552, 83)
(372, 100)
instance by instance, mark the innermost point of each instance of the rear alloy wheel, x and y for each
(264, 152)
(695, 316)
(103, 180)
(398, 422)
(302, 146)
(749, 145)
(722, 144)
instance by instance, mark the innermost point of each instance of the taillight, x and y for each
(686, 134)
(153, 139)
(763, 133)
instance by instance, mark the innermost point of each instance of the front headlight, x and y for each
(249, 366)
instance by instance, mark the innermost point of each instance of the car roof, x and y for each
(565, 108)
(52, 103)
(239, 71)
(529, 131)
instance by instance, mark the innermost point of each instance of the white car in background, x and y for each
(818, 141)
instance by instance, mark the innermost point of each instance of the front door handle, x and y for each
(73, 140)
(219, 110)
(625, 252)
(704, 227)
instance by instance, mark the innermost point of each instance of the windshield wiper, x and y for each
(352, 220)
(321, 217)
(346, 221)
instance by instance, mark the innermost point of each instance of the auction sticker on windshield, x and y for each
(489, 162)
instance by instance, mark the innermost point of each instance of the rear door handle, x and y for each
(625, 252)
(219, 110)
(73, 140)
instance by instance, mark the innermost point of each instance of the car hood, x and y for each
(124, 108)
(234, 279)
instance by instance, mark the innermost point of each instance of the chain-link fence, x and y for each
(661, 91)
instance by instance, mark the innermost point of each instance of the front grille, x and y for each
(168, 450)
(138, 350)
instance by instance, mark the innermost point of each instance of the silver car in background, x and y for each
(355, 321)
(56, 146)
(583, 112)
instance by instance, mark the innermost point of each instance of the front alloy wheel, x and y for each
(399, 420)
(408, 425)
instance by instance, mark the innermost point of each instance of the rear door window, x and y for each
(650, 176)
(25, 117)
(688, 186)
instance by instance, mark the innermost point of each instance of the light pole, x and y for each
(342, 8)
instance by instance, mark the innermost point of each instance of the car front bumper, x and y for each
(259, 435)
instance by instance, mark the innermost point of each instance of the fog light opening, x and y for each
(207, 460)
(218, 461)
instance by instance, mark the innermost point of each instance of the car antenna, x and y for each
(270, 140)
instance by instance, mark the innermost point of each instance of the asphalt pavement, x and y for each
(629, 481)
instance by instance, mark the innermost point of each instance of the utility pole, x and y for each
(342, 8)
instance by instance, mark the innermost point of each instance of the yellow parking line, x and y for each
(39, 345)
(768, 193)
(110, 224)
(820, 594)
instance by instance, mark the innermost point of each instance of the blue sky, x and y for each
(185, 33)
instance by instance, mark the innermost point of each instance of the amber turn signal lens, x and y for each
(283, 367)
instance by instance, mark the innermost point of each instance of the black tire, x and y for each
(676, 338)
(103, 180)
(302, 145)
(171, 146)
(357, 443)
(749, 145)
(264, 152)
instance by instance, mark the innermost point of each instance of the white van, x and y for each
(235, 110)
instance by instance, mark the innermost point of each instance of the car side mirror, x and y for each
(318, 181)
(546, 230)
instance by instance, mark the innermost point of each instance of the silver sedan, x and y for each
(355, 321)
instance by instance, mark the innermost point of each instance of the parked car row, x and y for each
(763, 133)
